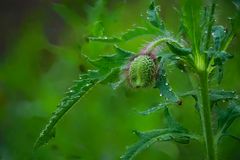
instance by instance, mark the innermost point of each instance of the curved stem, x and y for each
(205, 113)
(159, 41)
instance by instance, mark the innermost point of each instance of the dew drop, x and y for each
(166, 84)
(170, 89)
(88, 84)
(160, 94)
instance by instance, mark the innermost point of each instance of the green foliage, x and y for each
(201, 57)
(178, 50)
(79, 89)
(155, 108)
(105, 65)
(128, 35)
(174, 132)
(221, 95)
(218, 33)
(191, 21)
(153, 16)
(164, 86)
(226, 117)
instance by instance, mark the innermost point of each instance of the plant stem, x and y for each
(205, 112)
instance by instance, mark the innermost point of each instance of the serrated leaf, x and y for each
(108, 62)
(221, 95)
(151, 137)
(226, 117)
(153, 16)
(174, 132)
(79, 89)
(164, 86)
(128, 35)
(108, 68)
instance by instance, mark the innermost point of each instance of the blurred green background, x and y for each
(41, 43)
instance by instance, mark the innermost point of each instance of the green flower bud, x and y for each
(142, 71)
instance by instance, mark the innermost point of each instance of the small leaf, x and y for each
(218, 33)
(153, 16)
(220, 95)
(220, 57)
(164, 86)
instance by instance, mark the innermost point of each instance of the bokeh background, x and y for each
(41, 49)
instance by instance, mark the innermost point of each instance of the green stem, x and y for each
(205, 112)
(159, 41)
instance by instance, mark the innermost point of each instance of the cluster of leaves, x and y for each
(203, 37)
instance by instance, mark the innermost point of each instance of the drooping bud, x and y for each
(142, 71)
